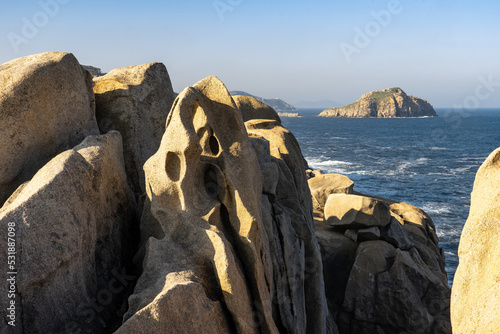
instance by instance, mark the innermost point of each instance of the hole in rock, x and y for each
(173, 166)
(210, 182)
(214, 145)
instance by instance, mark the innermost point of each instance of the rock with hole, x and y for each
(208, 230)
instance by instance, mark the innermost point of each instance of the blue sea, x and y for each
(428, 162)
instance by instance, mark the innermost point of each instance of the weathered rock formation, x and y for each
(392, 102)
(228, 241)
(46, 107)
(245, 251)
(251, 108)
(383, 269)
(475, 301)
(72, 241)
(276, 104)
(135, 100)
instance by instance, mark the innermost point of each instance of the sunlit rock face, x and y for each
(475, 301)
(135, 100)
(211, 229)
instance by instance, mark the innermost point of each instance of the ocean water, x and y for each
(428, 162)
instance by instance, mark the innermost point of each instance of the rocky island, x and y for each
(391, 102)
(130, 210)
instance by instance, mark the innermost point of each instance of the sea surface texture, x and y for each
(427, 162)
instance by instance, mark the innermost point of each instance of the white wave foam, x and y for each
(366, 172)
(406, 164)
(447, 233)
(319, 161)
(330, 166)
(336, 163)
(436, 208)
(471, 158)
(461, 170)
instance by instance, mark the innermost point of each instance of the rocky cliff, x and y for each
(392, 102)
(231, 235)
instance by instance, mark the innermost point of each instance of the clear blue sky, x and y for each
(440, 50)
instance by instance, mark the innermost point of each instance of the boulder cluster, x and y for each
(136, 211)
(383, 268)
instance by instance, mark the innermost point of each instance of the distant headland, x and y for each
(276, 104)
(391, 102)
